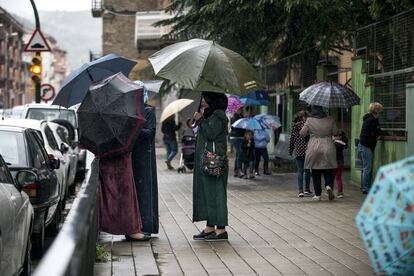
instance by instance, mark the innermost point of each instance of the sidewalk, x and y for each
(271, 232)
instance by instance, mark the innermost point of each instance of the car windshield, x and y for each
(12, 147)
(52, 114)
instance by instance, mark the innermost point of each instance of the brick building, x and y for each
(126, 25)
(13, 71)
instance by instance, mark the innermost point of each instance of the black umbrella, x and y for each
(77, 83)
(110, 116)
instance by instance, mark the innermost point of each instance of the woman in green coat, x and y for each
(210, 192)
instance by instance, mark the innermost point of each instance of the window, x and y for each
(12, 147)
(37, 155)
(51, 138)
(52, 114)
(5, 176)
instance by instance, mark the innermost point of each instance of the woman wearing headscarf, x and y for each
(320, 154)
(210, 192)
(145, 170)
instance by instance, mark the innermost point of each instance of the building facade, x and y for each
(13, 71)
(119, 18)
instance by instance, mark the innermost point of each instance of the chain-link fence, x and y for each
(388, 47)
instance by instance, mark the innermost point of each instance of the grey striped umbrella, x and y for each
(329, 94)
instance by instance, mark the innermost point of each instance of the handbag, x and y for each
(213, 164)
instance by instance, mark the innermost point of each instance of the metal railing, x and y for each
(73, 251)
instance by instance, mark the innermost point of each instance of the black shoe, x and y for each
(214, 237)
(267, 173)
(365, 192)
(202, 235)
(144, 238)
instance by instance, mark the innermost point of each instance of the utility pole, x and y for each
(37, 83)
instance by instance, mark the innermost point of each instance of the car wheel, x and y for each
(54, 227)
(38, 240)
(27, 265)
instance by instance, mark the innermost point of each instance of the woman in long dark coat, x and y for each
(145, 172)
(210, 192)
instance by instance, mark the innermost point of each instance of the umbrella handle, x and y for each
(191, 123)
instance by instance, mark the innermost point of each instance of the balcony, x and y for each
(144, 29)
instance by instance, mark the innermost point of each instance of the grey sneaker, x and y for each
(316, 198)
(340, 195)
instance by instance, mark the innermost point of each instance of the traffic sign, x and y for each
(47, 92)
(37, 43)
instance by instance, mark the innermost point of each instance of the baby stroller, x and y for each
(188, 143)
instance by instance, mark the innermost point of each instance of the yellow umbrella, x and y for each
(175, 107)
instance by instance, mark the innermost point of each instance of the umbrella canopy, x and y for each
(329, 94)
(248, 123)
(110, 116)
(204, 65)
(386, 219)
(175, 107)
(76, 85)
(233, 104)
(269, 121)
(256, 98)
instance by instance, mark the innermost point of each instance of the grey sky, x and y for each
(24, 8)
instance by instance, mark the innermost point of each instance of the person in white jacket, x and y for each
(261, 139)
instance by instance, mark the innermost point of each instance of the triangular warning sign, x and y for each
(37, 43)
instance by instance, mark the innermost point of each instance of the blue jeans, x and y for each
(367, 159)
(300, 167)
(172, 149)
(237, 142)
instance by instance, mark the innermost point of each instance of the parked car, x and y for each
(22, 150)
(16, 219)
(53, 113)
(54, 149)
(61, 134)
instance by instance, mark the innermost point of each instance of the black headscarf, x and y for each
(215, 101)
(317, 112)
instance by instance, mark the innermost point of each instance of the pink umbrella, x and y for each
(233, 104)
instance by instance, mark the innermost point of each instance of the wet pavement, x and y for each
(271, 232)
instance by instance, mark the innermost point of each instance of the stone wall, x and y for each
(119, 31)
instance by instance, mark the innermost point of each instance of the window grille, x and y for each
(388, 48)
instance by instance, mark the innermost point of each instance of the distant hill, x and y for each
(77, 32)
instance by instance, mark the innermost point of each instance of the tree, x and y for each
(266, 29)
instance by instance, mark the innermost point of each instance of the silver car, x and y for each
(16, 218)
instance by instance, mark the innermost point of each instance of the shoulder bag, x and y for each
(213, 164)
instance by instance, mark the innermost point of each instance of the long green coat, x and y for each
(210, 192)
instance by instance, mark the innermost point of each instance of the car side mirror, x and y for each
(54, 163)
(64, 148)
(25, 180)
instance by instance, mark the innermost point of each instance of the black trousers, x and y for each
(259, 152)
(317, 179)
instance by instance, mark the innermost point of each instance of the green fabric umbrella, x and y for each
(204, 65)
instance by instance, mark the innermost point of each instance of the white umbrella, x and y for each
(175, 107)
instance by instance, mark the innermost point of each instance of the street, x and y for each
(271, 232)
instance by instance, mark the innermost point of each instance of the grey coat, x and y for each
(320, 153)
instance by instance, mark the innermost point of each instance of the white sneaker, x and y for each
(316, 198)
(331, 195)
(300, 195)
(340, 195)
